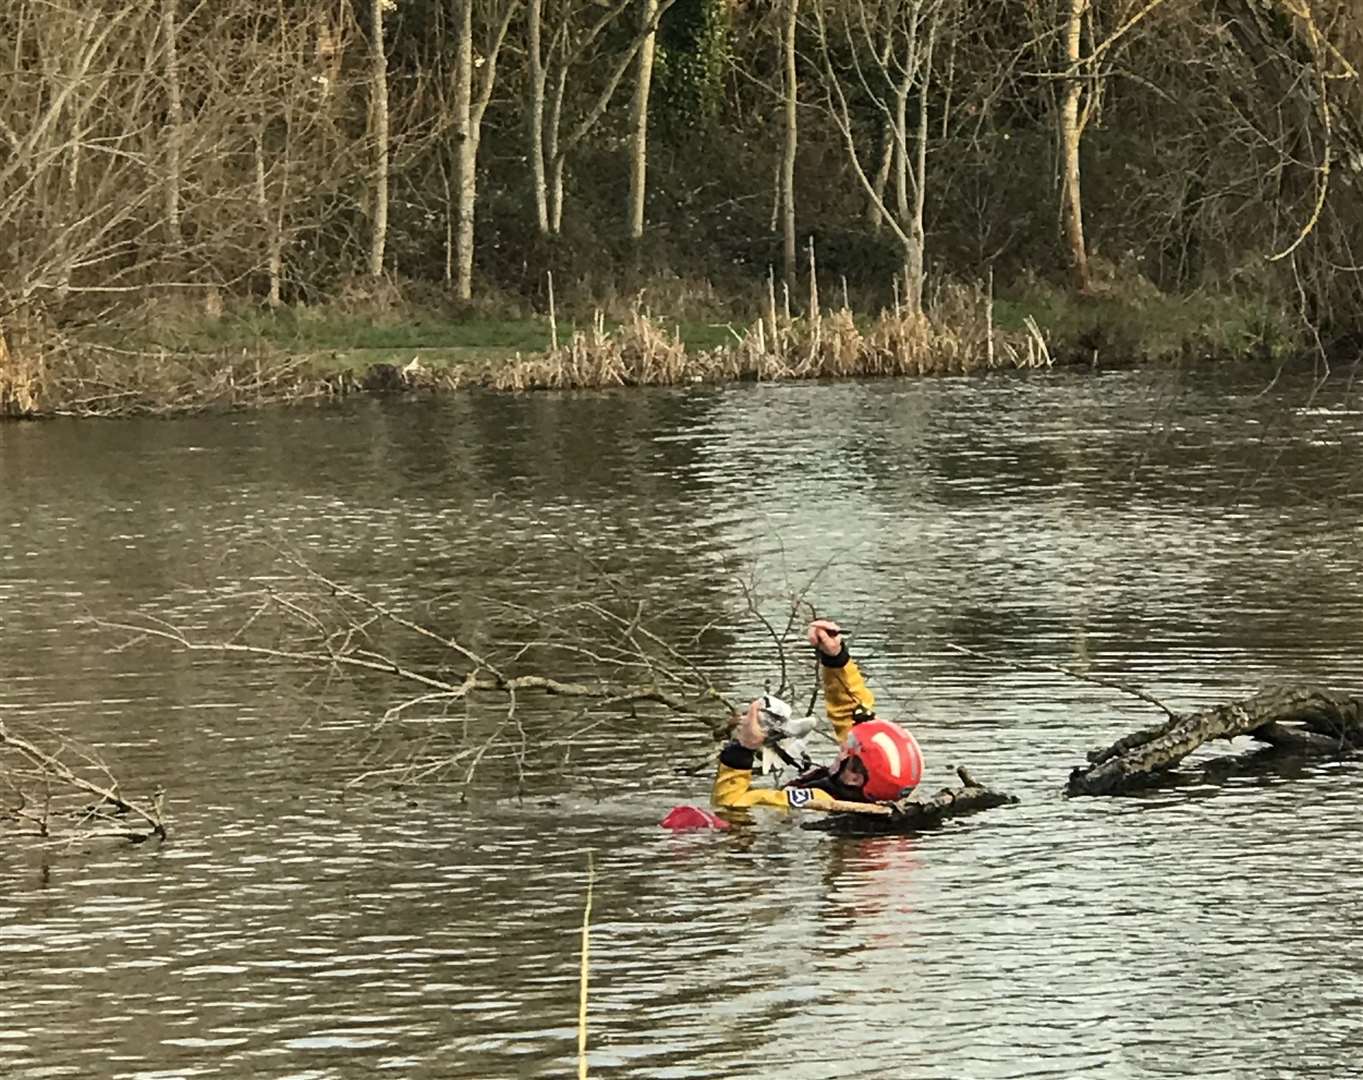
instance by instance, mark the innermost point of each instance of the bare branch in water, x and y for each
(338, 589)
(465, 701)
(784, 689)
(60, 785)
(1111, 684)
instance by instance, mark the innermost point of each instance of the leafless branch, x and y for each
(51, 770)
(1111, 684)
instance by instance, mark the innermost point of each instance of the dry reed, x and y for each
(957, 338)
(585, 971)
(51, 375)
(22, 369)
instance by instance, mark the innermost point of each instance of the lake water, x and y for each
(1195, 534)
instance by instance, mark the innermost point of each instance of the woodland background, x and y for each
(451, 154)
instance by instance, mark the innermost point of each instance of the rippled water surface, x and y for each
(1197, 535)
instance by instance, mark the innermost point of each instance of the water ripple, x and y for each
(1194, 537)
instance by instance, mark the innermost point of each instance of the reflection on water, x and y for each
(1192, 535)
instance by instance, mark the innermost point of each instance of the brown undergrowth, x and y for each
(640, 352)
(22, 370)
(63, 376)
(68, 378)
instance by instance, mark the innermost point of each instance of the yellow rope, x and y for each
(586, 967)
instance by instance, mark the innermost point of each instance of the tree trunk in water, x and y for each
(1069, 141)
(378, 103)
(534, 18)
(788, 156)
(915, 813)
(175, 116)
(638, 161)
(1304, 720)
(466, 148)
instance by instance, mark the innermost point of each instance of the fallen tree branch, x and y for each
(1304, 719)
(337, 589)
(915, 813)
(606, 649)
(1111, 684)
(444, 690)
(49, 770)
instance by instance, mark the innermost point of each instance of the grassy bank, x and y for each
(176, 357)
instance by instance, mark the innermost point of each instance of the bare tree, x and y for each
(1085, 77)
(1071, 129)
(292, 126)
(576, 50)
(575, 31)
(175, 119)
(882, 51)
(75, 217)
(638, 152)
(314, 623)
(789, 92)
(378, 110)
(471, 97)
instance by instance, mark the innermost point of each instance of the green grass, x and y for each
(1143, 324)
(1126, 322)
(320, 330)
(360, 340)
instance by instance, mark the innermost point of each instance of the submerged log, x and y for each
(915, 813)
(1305, 720)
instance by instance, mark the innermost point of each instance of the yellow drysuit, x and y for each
(844, 691)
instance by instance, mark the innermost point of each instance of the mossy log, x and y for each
(1302, 719)
(915, 813)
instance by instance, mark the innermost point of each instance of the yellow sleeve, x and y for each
(843, 690)
(733, 787)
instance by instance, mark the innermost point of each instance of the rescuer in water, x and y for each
(878, 761)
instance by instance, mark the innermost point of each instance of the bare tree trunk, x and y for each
(466, 148)
(67, 45)
(914, 270)
(270, 222)
(449, 221)
(469, 108)
(568, 49)
(534, 18)
(1069, 140)
(555, 196)
(875, 200)
(792, 134)
(175, 113)
(638, 161)
(901, 146)
(378, 98)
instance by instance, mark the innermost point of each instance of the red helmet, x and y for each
(889, 755)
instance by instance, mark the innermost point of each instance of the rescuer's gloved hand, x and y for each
(826, 636)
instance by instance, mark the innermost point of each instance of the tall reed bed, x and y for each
(48, 373)
(956, 337)
(22, 369)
